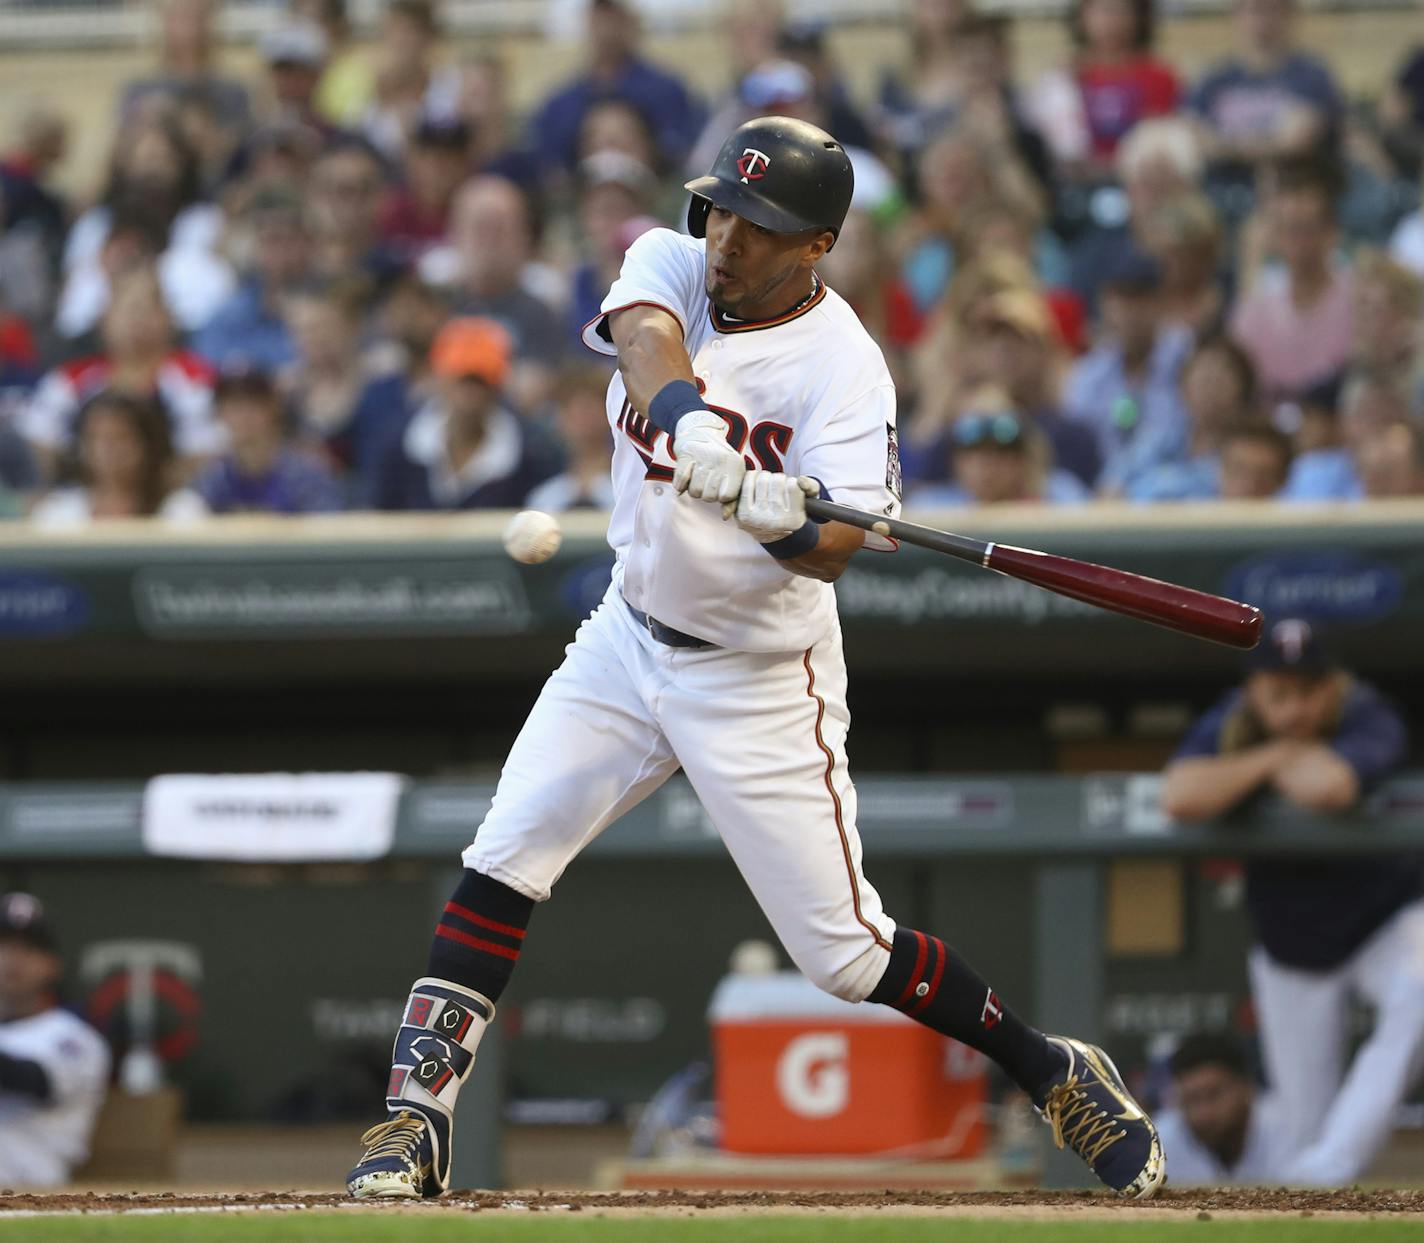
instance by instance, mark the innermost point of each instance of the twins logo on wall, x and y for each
(144, 999)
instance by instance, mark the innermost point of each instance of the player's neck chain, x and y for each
(725, 323)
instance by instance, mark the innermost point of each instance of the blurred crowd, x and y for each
(356, 281)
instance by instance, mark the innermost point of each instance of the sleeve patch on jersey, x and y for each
(893, 478)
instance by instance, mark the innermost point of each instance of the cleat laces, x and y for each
(1069, 1111)
(397, 1137)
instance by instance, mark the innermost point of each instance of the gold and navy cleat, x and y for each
(1092, 1113)
(398, 1161)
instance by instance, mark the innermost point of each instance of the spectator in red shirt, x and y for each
(1120, 80)
(415, 217)
(1113, 83)
(140, 359)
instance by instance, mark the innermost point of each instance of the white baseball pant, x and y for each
(1336, 1121)
(761, 738)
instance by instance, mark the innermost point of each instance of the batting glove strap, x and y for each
(671, 402)
(797, 544)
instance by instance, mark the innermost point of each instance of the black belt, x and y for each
(666, 634)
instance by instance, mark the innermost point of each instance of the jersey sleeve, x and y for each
(1372, 738)
(856, 456)
(661, 268)
(76, 1062)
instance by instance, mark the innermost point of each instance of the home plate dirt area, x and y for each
(701, 1217)
(1031, 1204)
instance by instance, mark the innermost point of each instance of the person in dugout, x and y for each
(1331, 932)
(54, 1067)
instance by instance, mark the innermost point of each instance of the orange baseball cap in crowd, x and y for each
(472, 347)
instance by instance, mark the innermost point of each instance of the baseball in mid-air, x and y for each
(532, 536)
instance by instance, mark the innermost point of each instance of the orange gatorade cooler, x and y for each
(800, 1072)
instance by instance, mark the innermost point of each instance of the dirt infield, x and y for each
(985, 1203)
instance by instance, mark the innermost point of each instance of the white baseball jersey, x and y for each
(42, 1141)
(806, 394)
(757, 724)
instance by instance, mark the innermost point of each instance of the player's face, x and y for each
(1293, 705)
(26, 972)
(753, 273)
(1215, 1104)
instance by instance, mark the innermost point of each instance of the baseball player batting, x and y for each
(744, 386)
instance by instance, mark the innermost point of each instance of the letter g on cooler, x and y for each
(813, 1074)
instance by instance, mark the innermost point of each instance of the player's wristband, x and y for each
(822, 495)
(671, 402)
(797, 544)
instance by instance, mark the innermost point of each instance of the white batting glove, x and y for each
(708, 468)
(772, 506)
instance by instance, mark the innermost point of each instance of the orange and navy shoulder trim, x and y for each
(722, 324)
(599, 323)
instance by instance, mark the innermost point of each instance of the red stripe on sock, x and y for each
(915, 974)
(464, 912)
(934, 979)
(464, 938)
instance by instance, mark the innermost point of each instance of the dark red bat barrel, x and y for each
(1148, 599)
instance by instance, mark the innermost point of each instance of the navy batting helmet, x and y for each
(785, 175)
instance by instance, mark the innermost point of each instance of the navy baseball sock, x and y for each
(928, 981)
(480, 934)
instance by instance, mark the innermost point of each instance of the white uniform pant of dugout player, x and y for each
(761, 737)
(1337, 1120)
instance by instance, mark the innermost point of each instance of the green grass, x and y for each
(588, 1227)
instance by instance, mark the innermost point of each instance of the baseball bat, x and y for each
(1195, 613)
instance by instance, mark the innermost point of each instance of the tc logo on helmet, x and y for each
(753, 164)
